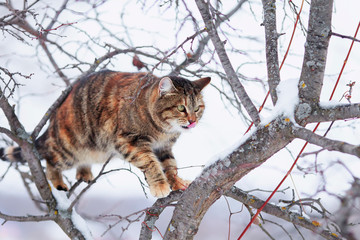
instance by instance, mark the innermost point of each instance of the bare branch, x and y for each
(204, 41)
(271, 37)
(317, 42)
(344, 36)
(225, 61)
(28, 218)
(55, 18)
(50, 111)
(327, 114)
(328, 144)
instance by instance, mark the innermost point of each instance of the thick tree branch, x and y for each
(271, 37)
(317, 42)
(328, 144)
(317, 113)
(234, 81)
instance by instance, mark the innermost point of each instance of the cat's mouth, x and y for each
(191, 125)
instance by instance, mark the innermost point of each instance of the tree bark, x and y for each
(271, 38)
(317, 42)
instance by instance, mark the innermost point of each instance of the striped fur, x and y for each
(133, 115)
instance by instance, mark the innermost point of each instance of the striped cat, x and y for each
(133, 115)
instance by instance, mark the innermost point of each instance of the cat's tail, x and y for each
(11, 154)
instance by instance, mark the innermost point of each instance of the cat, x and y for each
(137, 116)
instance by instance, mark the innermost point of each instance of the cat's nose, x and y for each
(191, 119)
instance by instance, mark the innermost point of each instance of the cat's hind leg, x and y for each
(83, 172)
(55, 176)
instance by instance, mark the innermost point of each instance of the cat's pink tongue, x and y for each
(191, 125)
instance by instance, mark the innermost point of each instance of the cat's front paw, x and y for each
(160, 190)
(180, 184)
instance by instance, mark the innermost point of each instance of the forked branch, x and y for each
(234, 81)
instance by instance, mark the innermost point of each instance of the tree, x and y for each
(75, 38)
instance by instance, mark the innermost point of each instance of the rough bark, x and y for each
(317, 42)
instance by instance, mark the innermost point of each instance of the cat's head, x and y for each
(180, 104)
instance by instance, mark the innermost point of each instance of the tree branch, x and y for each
(203, 42)
(333, 113)
(328, 144)
(317, 42)
(22, 23)
(49, 112)
(234, 81)
(271, 37)
(28, 218)
(31, 155)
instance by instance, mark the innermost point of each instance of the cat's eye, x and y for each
(181, 108)
(197, 108)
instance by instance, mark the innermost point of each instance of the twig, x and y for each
(50, 111)
(28, 218)
(344, 36)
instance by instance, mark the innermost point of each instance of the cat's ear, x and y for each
(202, 82)
(166, 86)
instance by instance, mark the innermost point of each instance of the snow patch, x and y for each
(288, 99)
(63, 203)
(331, 104)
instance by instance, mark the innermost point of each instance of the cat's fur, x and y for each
(135, 115)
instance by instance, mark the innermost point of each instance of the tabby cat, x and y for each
(133, 115)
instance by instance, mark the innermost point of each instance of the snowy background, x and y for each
(222, 127)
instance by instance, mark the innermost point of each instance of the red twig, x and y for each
(52, 29)
(345, 61)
